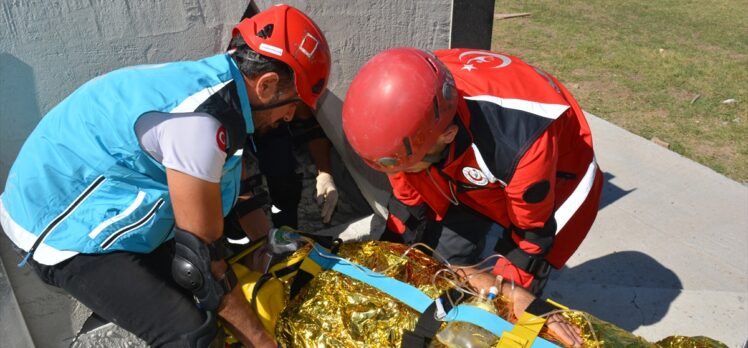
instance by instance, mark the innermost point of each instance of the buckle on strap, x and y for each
(431, 319)
(229, 280)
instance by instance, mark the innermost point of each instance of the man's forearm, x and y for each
(319, 150)
(255, 224)
(520, 297)
(242, 320)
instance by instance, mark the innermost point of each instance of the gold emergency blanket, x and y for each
(334, 310)
(609, 335)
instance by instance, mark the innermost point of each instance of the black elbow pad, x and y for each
(542, 237)
(191, 270)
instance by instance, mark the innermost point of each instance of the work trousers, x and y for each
(275, 153)
(135, 291)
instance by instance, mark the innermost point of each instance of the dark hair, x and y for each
(253, 64)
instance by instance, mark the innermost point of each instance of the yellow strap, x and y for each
(558, 305)
(526, 329)
(251, 248)
(510, 340)
(311, 267)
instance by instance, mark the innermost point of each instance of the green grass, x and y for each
(642, 64)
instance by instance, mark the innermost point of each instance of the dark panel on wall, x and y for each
(472, 23)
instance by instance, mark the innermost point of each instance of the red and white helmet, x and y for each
(397, 106)
(284, 33)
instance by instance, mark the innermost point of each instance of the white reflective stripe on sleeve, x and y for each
(134, 205)
(483, 166)
(192, 102)
(575, 200)
(24, 239)
(552, 111)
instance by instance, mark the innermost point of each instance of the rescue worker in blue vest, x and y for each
(120, 192)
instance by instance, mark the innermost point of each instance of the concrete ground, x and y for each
(668, 255)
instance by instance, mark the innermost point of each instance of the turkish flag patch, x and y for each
(221, 138)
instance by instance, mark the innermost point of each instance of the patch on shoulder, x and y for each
(221, 138)
(537, 192)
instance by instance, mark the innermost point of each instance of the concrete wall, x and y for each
(356, 31)
(48, 48)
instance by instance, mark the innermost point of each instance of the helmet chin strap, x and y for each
(256, 107)
(437, 157)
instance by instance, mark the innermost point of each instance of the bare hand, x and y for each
(259, 259)
(218, 269)
(556, 323)
(569, 334)
(521, 299)
(241, 320)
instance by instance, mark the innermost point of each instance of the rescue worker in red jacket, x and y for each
(477, 144)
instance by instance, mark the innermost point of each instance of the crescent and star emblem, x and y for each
(482, 57)
(475, 176)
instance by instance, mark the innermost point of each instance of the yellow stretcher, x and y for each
(335, 309)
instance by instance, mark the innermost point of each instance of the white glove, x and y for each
(327, 195)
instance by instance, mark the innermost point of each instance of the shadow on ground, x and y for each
(628, 288)
(611, 192)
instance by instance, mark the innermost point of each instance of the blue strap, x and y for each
(490, 322)
(241, 89)
(408, 294)
(413, 297)
(25, 259)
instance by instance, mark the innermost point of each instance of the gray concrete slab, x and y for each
(668, 253)
(52, 316)
(666, 256)
(13, 328)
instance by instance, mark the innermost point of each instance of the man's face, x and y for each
(266, 120)
(422, 165)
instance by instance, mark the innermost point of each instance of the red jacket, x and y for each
(523, 154)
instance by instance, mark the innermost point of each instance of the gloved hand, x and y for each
(327, 195)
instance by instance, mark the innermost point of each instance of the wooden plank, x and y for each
(500, 16)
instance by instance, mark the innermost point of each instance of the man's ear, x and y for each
(266, 86)
(449, 134)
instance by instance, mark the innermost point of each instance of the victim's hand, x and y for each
(218, 269)
(568, 333)
(556, 323)
(521, 299)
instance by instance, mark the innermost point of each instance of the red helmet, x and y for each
(397, 106)
(286, 34)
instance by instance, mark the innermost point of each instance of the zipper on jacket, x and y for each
(114, 236)
(57, 220)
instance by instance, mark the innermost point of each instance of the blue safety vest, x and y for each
(81, 182)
